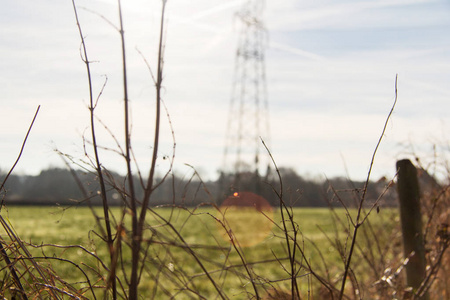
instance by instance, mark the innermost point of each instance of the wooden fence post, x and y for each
(411, 219)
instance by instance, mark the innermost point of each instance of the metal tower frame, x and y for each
(248, 120)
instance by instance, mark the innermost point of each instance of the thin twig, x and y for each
(20, 154)
(92, 106)
(283, 207)
(358, 216)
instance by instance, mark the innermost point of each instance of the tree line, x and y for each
(56, 186)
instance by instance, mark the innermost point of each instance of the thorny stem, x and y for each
(357, 223)
(291, 252)
(135, 243)
(109, 238)
(137, 226)
(158, 83)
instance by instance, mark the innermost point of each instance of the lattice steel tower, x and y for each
(248, 120)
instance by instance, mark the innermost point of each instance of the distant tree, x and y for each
(301, 192)
(57, 185)
(13, 186)
(51, 185)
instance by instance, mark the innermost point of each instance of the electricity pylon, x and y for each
(248, 120)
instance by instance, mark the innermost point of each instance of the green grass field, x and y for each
(172, 269)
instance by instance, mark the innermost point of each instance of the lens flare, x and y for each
(247, 218)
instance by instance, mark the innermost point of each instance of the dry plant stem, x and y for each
(20, 153)
(137, 226)
(357, 222)
(85, 194)
(189, 249)
(2, 249)
(155, 186)
(109, 238)
(135, 243)
(239, 251)
(62, 260)
(13, 236)
(158, 83)
(11, 268)
(291, 251)
(426, 284)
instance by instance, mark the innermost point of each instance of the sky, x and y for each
(330, 71)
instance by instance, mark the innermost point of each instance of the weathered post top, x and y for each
(411, 219)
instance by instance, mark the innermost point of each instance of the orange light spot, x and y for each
(248, 218)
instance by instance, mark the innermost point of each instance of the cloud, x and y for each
(353, 15)
(330, 75)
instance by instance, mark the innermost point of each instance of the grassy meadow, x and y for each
(174, 271)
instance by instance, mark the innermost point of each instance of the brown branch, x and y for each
(98, 167)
